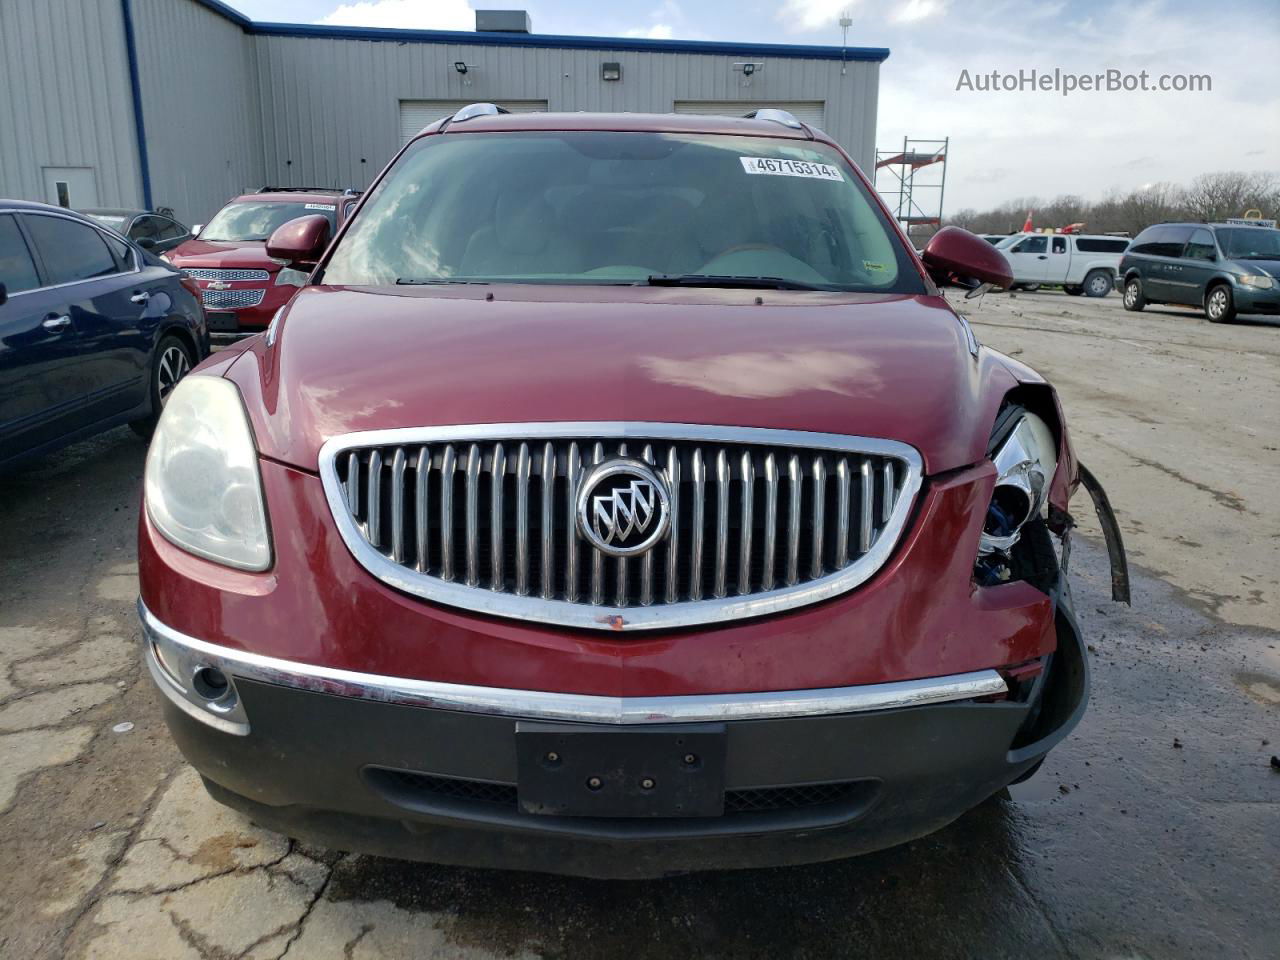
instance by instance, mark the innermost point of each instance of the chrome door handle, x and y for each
(56, 323)
(142, 297)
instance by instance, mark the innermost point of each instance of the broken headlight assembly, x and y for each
(1026, 458)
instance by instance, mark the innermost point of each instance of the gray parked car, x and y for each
(1223, 268)
(154, 232)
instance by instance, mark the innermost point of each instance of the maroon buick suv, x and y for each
(620, 497)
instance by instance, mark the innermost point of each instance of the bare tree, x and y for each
(1216, 196)
(1211, 196)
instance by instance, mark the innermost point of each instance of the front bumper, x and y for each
(428, 771)
(228, 324)
(1252, 300)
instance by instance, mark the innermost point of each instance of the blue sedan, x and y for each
(94, 330)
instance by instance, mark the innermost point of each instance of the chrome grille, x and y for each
(482, 517)
(232, 299)
(206, 273)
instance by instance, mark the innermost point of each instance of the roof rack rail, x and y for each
(300, 190)
(473, 110)
(776, 116)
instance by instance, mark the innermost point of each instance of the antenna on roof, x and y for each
(846, 22)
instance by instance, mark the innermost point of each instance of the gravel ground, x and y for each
(1153, 832)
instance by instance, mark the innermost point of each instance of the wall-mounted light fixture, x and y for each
(748, 69)
(611, 70)
(460, 66)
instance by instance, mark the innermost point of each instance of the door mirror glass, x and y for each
(956, 257)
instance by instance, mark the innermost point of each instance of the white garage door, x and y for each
(808, 111)
(416, 114)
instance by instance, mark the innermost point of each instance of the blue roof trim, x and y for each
(715, 47)
(235, 16)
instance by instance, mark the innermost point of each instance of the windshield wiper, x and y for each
(729, 282)
(1255, 256)
(422, 281)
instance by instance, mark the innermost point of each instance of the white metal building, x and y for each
(184, 103)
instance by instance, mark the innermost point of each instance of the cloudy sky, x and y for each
(1004, 145)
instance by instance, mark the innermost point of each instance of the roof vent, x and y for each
(503, 21)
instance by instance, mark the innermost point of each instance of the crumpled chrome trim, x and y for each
(544, 705)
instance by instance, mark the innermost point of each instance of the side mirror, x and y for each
(196, 228)
(4, 295)
(958, 258)
(300, 242)
(146, 243)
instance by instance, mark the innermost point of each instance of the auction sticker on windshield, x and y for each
(319, 206)
(790, 168)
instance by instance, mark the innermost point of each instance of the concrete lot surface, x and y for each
(1154, 832)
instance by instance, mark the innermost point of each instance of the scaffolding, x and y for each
(913, 198)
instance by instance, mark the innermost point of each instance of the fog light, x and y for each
(214, 686)
(170, 665)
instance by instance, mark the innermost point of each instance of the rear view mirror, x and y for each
(146, 243)
(300, 242)
(958, 258)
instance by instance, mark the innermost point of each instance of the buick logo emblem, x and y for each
(623, 507)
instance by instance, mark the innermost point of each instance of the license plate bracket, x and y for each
(222, 322)
(567, 770)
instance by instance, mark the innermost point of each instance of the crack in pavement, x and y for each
(95, 893)
(306, 914)
(1229, 500)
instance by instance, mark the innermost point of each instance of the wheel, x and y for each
(1029, 287)
(1073, 291)
(173, 361)
(1098, 283)
(1218, 305)
(1133, 298)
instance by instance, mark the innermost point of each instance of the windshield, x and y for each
(622, 208)
(1249, 243)
(107, 220)
(257, 220)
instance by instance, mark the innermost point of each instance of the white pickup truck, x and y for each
(1079, 263)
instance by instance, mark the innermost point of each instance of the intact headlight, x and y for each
(1026, 461)
(1261, 282)
(288, 277)
(202, 487)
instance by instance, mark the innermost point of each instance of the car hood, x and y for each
(203, 253)
(1269, 267)
(346, 360)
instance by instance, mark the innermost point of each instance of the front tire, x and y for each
(173, 361)
(1133, 298)
(1098, 283)
(1219, 305)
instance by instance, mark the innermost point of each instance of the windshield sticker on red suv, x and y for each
(319, 206)
(790, 168)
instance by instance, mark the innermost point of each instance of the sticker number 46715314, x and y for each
(790, 168)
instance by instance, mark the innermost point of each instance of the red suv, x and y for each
(241, 285)
(619, 497)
